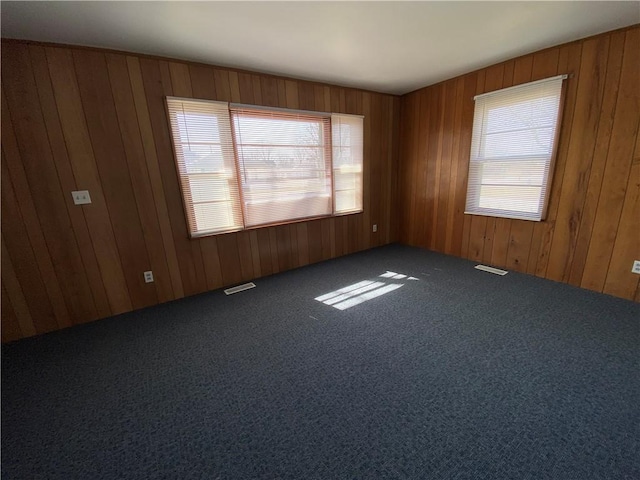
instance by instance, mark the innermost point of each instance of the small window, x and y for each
(244, 167)
(205, 160)
(512, 150)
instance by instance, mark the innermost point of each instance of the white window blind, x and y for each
(284, 165)
(347, 142)
(205, 159)
(245, 167)
(512, 150)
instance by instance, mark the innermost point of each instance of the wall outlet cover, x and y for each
(148, 277)
(81, 197)
(636, 267)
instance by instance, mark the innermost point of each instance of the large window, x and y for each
(243, 167)
(512, 150)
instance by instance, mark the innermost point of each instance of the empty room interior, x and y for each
(320, 240)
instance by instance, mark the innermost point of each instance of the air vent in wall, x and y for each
(239, 288)
(497, 271)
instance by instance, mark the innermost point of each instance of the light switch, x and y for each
(81, 197)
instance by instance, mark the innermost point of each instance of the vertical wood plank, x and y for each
(10, 327)
(283, 237)
(421, 200)
(325, 228)
(477, 237)
(620, 281)
(303, 243)
(452, 207)
(246, 258)
(229, 259)
(203, 83)
(314, 231)
(234, 86)
(255, 253)
(269, 87)
(246, 88)
(265, 251)
(16, 294)
(273, 246)
(462, 222)
(211, 261)
(223, 86)
(368, 166)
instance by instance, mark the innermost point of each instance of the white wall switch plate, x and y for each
(81, 197)
(148, 277)
(375, 227)
(636, 267)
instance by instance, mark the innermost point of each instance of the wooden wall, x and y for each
(77, 118)
(591, 235)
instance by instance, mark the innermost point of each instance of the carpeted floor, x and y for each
(455, 374)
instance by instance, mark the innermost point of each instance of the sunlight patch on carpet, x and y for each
(363, 291)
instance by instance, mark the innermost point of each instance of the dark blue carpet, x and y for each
(459, 374)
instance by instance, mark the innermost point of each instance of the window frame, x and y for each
(183, 177)
(477, 161)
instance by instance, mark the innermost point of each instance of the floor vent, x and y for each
(240, 288)
(497, 271)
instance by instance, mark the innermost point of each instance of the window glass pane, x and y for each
(214, 216)
(514, 198)
(347, 141)
(538, 141)
(513, 173)
(535, 113)
(347, 199)
(203, 158)
(198, 127)
(284, 165)
(209, 188)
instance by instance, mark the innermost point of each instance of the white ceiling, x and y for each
(393, 47)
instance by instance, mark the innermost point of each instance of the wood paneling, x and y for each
(590, 236)
(78, 118)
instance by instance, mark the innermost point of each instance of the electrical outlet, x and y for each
(148, 277)
(81, 197)
(636, 267)
(375, 227)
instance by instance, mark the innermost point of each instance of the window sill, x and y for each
(196, 236)
(511, 216)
